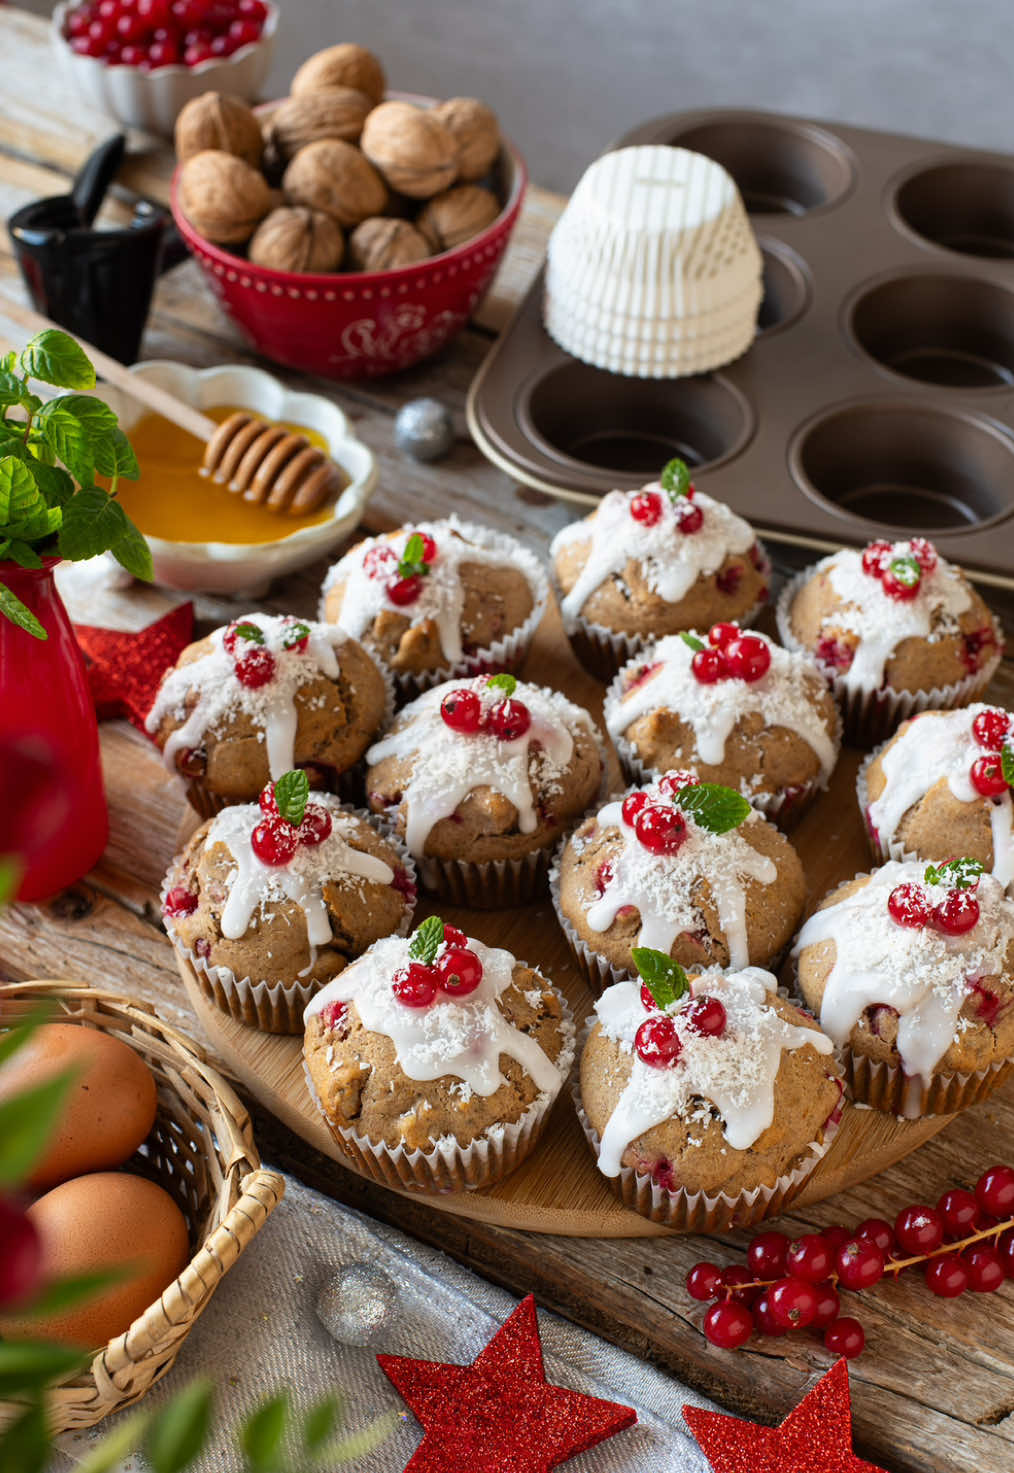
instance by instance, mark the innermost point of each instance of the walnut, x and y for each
(293, 238)
(456, 215)
(342, 66)
(222, 197)
(412, 149)
(332, 112)
(216, 120)
(333, 176)
(475, 131)
(378, 244)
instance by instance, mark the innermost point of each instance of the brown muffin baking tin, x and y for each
(878, 396)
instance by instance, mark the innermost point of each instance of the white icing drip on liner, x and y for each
(671, 561)
(461, 1037)
(735, 1071)
(448, 765)
(940, 744)
(221, 695)
(662, 886)
(923, 975)
(783, 697)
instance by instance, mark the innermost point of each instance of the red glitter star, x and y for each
(124, 667)
(500, 1412)
(815, 1438)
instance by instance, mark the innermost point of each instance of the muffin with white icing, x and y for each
(911, 972)
(735, 708)
(707, 1099)
(271, 900)
(438, 599)
(683, 867)
(435, 1060)
(896, 629)
(652, 562)
(480, 778)
(261, 696)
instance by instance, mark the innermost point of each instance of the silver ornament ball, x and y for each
(424, 429)
(357, 1303)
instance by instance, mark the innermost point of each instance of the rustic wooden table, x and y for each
(935, 1391)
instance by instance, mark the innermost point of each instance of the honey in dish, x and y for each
(174, 501)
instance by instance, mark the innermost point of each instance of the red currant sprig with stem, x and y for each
(440, 961)
(965, 1242)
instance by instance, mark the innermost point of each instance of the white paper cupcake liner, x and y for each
(870, 717)
(881, 851)
(273, 1006)
(449, 1166)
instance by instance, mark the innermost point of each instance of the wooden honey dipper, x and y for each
(262, 462)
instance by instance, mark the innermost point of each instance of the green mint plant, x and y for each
(51, 451)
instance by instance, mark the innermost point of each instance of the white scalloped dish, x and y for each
(247, 568)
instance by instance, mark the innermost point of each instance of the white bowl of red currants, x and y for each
(142, 60)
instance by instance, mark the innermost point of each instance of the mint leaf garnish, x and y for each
(675, 478)
(412, 563)
(692, 640)
(295, 635)
(961, 874)
(426, 941)
(664, 978)
(54, 358)
(713, 807)
(291, 792)
(251, 632)
(907, 570)
(507, 683)
(1007, 765)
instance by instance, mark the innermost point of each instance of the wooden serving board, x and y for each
(559, 1189)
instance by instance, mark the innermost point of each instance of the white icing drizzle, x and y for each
(882, 622)
(940, 744)
(661, 886)
(923, 975)
(442, 596)
(671, 561)
(221, 695)
(464, 1037)
(253, 884)
(783, 697)
(448, 765)
(735, 1071)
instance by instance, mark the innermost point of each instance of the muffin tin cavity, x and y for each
(907, 466)
(954, 331)
(966, 207)
(786, 286)
(781, 168)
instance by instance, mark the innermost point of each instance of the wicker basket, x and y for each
(201, 1150)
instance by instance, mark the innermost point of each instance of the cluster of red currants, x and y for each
(965, 1242)
(731, 655)
(657, 1042)
(647, 507)
(456, 972)
(463, 711)
(402, 585)
(255, 664)
(991, 730)
(660, 828)
(900, 575)
(157, 33)
(912, 905)
(275, 840)
(20, 1255)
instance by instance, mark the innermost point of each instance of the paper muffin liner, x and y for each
(273, 1007)
(870, 717)
(881, 851)
(449, 1166)
(697, 1212)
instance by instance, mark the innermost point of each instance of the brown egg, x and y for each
(102, 1221)
(111, 1107)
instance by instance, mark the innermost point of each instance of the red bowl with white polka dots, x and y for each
(360, 324)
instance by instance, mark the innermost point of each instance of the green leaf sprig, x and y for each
(675, 478)
(291, 792)
(426, 941)
(959, 874)
(692, 640)
(507, 683)
(412, 563)
(664, 978)
(713, 807)
(1007, 764)
(907, 570)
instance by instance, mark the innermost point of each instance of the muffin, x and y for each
(938, 787)
(439, 599)
(435, 1060)
(707, 1100)
(911, 972)
(261, 696)
(686, 868)
(734, 707)
(896, 629)
(271, 900)
(480, 778)
(652, 562)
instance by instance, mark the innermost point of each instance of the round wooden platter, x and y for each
(559, 1189)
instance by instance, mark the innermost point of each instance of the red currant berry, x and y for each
(908, 905)
(631, 806)
(429, 548)
(985, 1269)
(987, 776)
(154, 13)
(898, 588)
(828, 1305)
(180, 902)
(878, 1232)
(647, 1000)
(658, 1043)
(604, 877)
(378, 559)
(316, 826)
(707, 1015)
(255, 668)
(709, 666)
(454, 937)
(671, 783)
(646, 508)
(924, 553)
(875, 558)
(994, 1192)
(739, 1282)
(845, 1337)
(728, 1324)
(766, 1255)
(809, 1258)
(919, 1229)
(719, 635)
(704, 1282)
(947, 1276)
(990, 729)
(960, 1212)
(1005, 1248)
(957, 913)
(334, 1014)
(509, 720)
(660, 830)
(793, 1303)
(274, 841)
(415, 985)
(835, 1236)
(20, 1255)
(459, 970)
(764, 1317)
(748, 657)
(729, 579)
(402, 591)
(462, 711)
(860, 1264)
(689, 518)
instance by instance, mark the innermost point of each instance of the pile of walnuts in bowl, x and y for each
(335, 178)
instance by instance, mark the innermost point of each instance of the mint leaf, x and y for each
(19, 495)
(27, 1120)
(120, 453)
(132, 552)
(961, 874)
(55, 358)
(413, 563)
(675, 478)
(92, 523)
(251, 632)
(1007, 765)
(11, 388)
(10, 879)
(932, 876)
(12, 608)
(907, 571)
(178, 1433)
(323, 1418)
(263, 1433)
(61, 1294)
(20, 552)
(507, 683)
(291, 792)
(713, 807)
(27, 1365)
(56, 486)
(664, 978)
(295, 634)
(426, 941)
(62, 431)
(692, 640)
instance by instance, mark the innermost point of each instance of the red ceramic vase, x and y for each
(53, 814)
